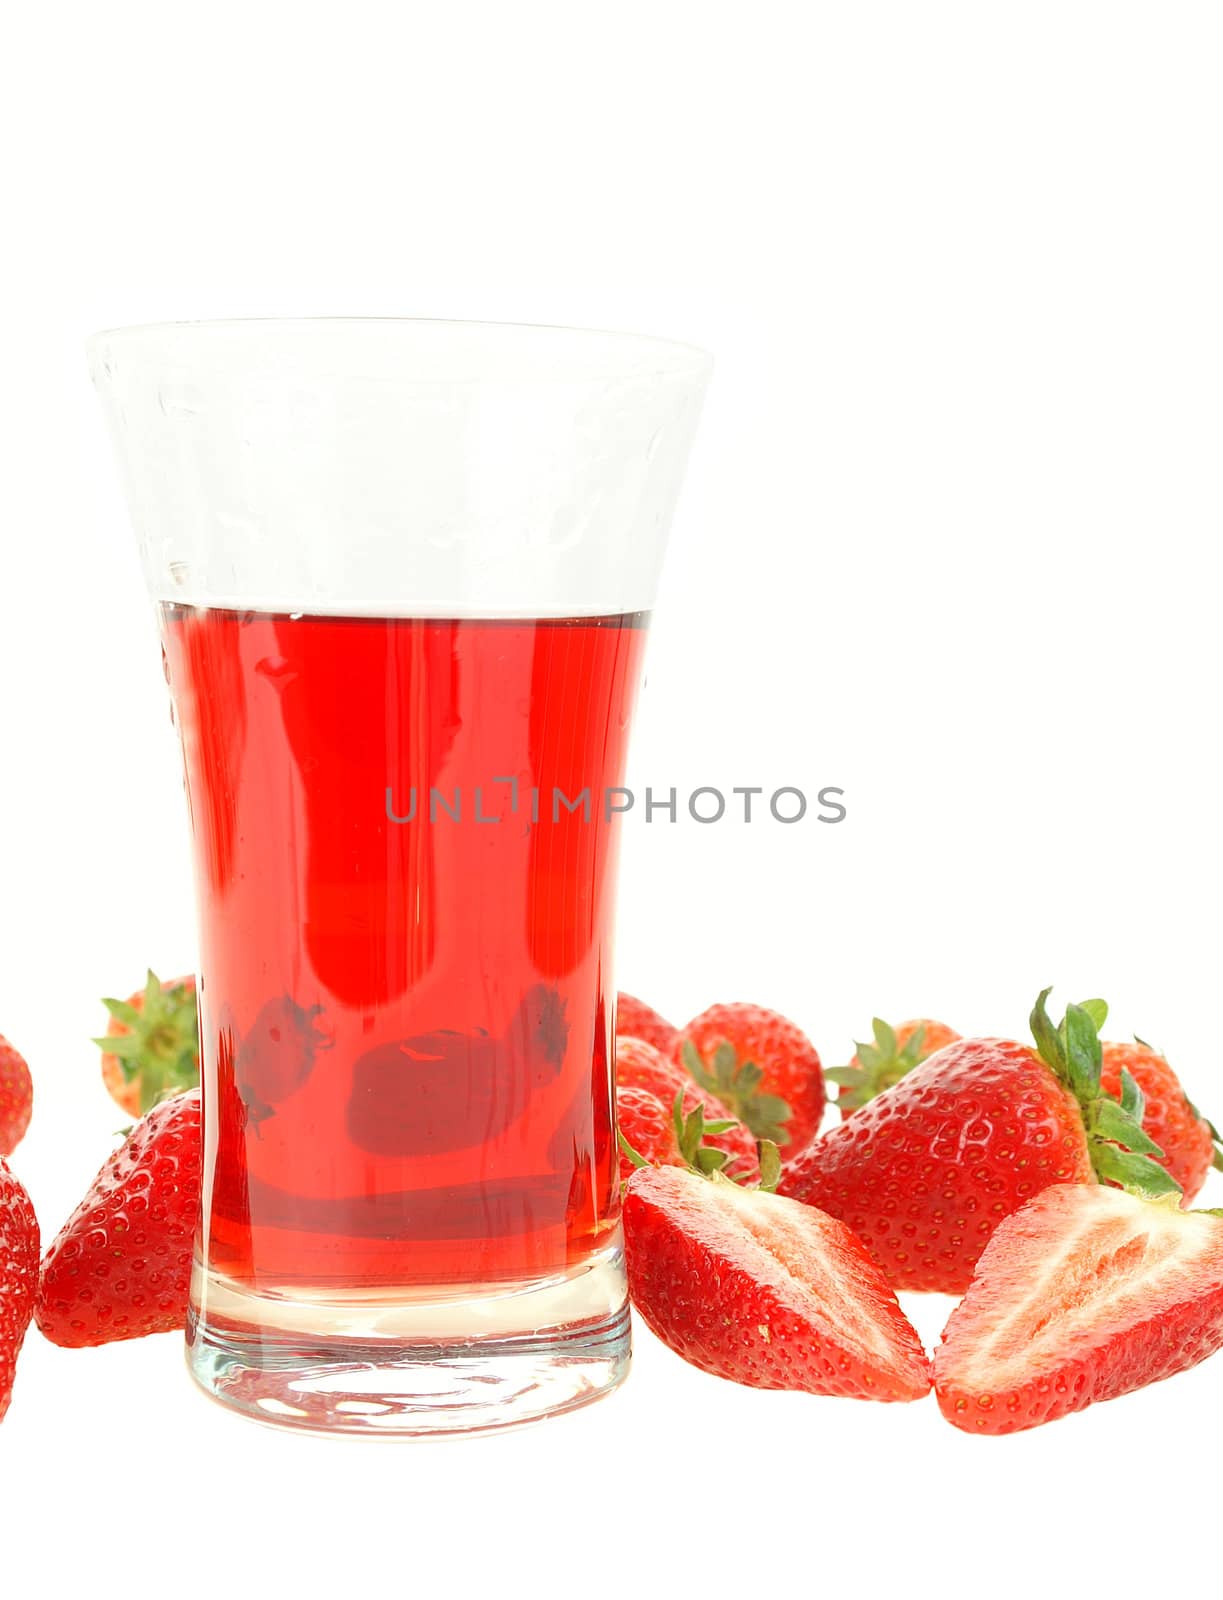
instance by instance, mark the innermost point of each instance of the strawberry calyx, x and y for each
(160, 1049)
(737, 1085)
(706, 1160)
(876, 1066)
(1121, 1152)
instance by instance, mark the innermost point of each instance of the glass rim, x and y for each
(675, 359)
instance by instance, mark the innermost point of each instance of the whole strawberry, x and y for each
(1084, 1294)
(644, 1124)
(1187, 1140)
(765, 1291)
(16, 1098)
(18, 1276)
(120, 1266)
(926, 1172)
(653, 1134)
(636, 1020)
(640, 1067)
(762, 1067)
(151, 1047)
(892, 1055)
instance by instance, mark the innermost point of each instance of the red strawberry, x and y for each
(653, 1133)
(16, 1098)
(1083, 1295)
(639, 1021)
(762, 1067)
(1184, 1136)
(121, 1265)
(646, 1124)
(18, 1276)
(927, 1171)
(151, 1048)
(641, 1066)
(893, 1054)
(764, 1291)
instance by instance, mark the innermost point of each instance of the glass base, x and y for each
(410, 1362)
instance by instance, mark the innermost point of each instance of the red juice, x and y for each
(406, 1003)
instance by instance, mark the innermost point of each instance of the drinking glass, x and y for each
(403, 571)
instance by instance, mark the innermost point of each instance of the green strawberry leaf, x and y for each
(1136, 1173)
(876, 1066)
(846, 1077)
(692, 1130)
(1112, 1122)
(160, 1050)
(885, 1038)
(1132, 1098)
(737, 1085)
(1049, 1044)
(770, 1166)
(707, 1159)
(1121, 1152)
(125, 1046)
(724, 1125)
(1097, 1010)
(123, 1011)
(635, 1157)
(1081, 1046)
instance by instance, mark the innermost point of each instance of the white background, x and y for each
(948, 541)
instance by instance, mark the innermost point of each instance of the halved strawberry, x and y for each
(1084, 1294)
(765, 1291)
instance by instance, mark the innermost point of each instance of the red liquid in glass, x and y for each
(406, 1024)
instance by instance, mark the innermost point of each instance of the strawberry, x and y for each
(639, 1021)
(121, 1265)
(1187, 1140)
(764, 1291)
(925, 1172)
(646, 1125)
(18, 1276)
(652, 1133)
(762, 1067)
(893, 1053)
(1084, 1294)
(641, 1066)
(16, 1098)
(151, 1047)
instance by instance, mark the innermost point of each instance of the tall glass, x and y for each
(403, 572)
